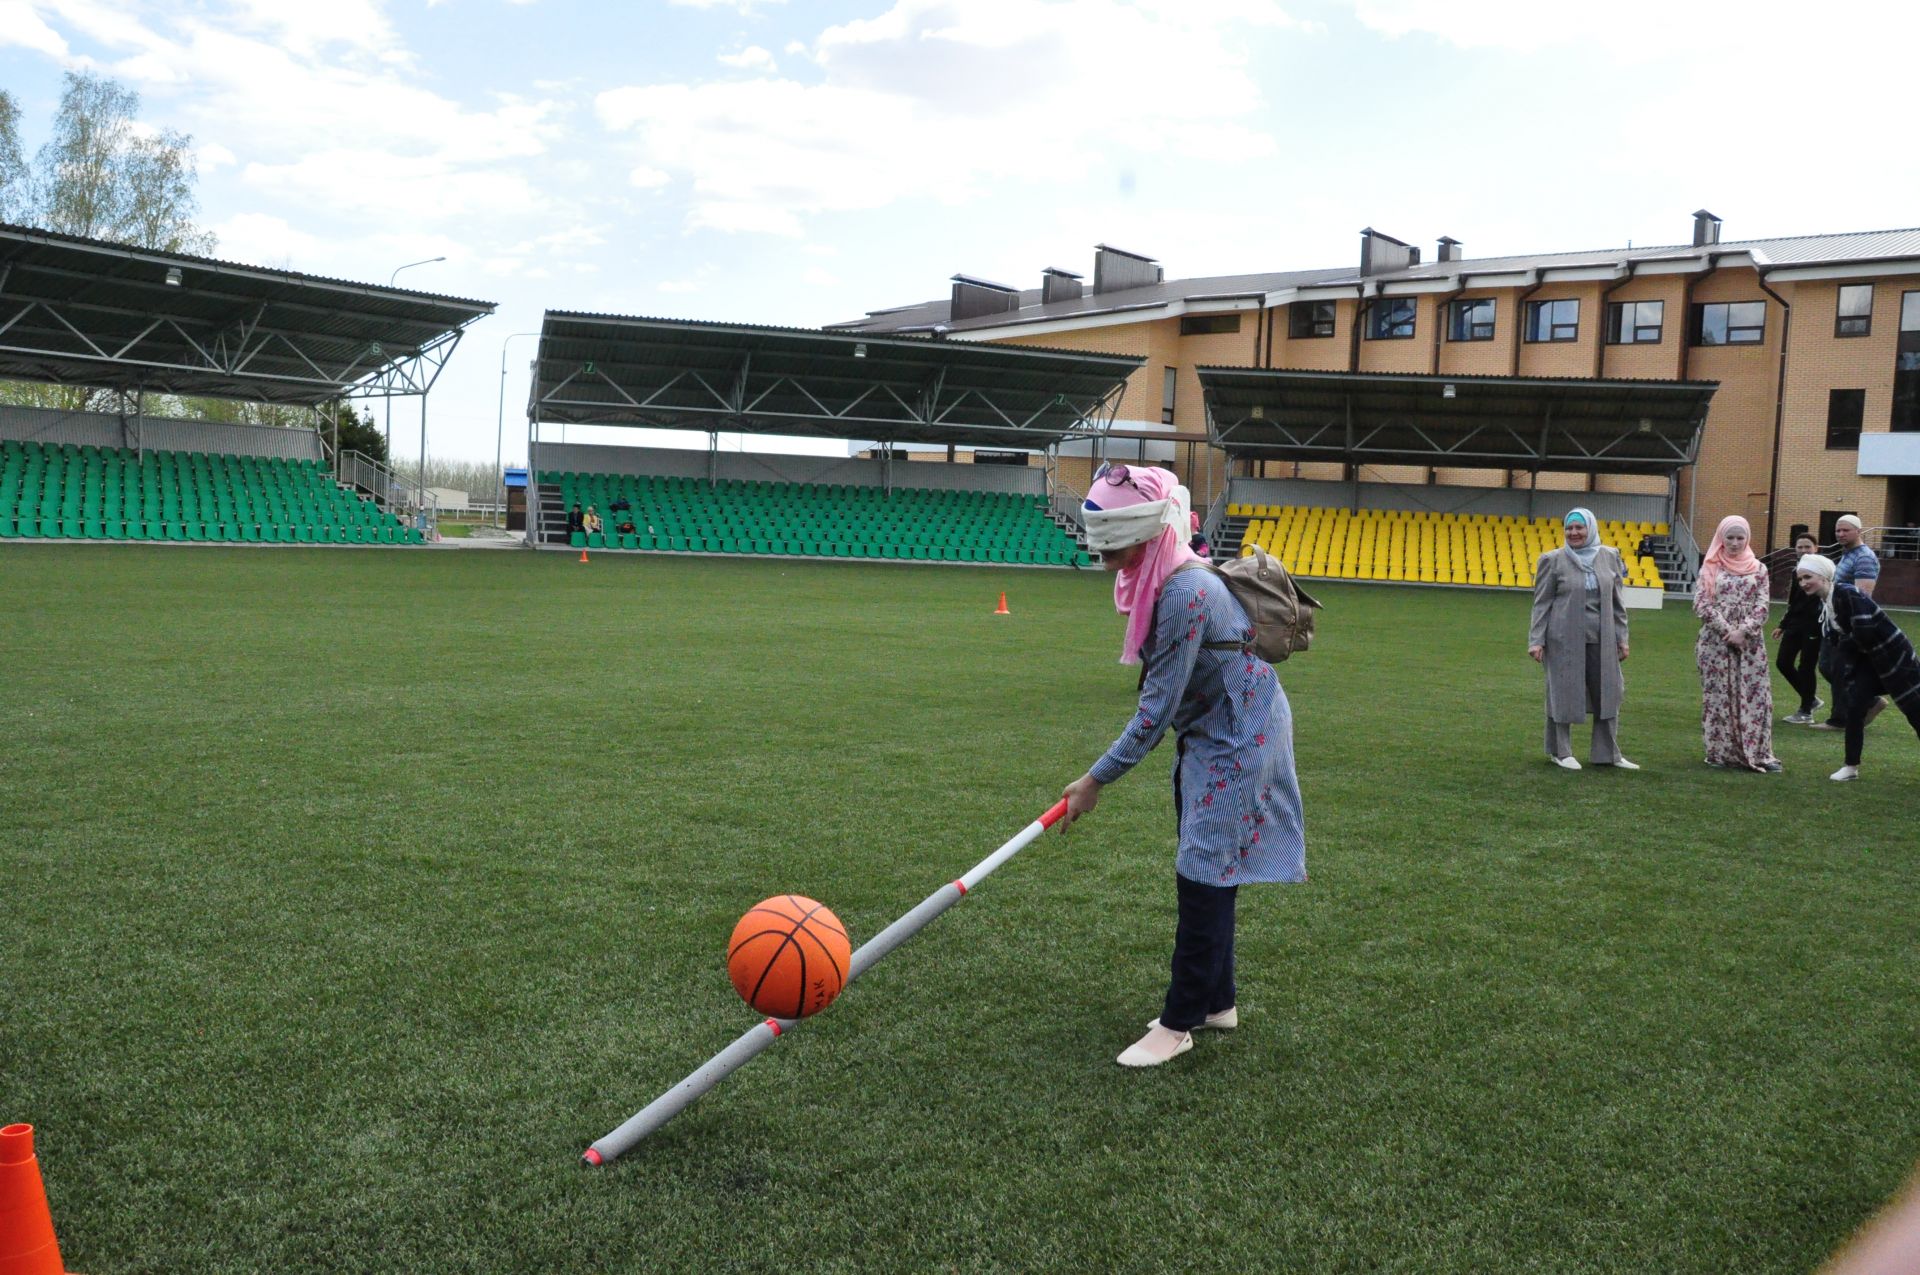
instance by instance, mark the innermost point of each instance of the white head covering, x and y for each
(1109, 529)
(1850, 520)
(1818, 564)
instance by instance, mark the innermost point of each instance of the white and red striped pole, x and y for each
(721, 1065)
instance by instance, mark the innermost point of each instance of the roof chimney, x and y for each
(1059, 285)
(1449, 249)
(1706, 228)
(1380, 253)
(1116, 268)
(974, 298)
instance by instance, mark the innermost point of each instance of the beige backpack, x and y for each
(1280, 611)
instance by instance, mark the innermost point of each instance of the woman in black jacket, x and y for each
(1799, 638)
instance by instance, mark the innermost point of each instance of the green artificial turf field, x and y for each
(348, 896)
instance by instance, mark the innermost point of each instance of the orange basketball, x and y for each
(789, 956)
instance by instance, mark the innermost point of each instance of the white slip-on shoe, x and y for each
(1619, 763)
(1157, 1046)
(1224, 1021)
(1565, 763)
(1845, 773)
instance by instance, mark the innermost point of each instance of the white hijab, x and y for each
(1818, 564)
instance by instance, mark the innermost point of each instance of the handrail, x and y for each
(1067, 502)
(1689, 549)
(390, 492)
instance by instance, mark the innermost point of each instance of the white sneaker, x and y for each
(1619, 763)
(1799, 719)
(1565, 763)
(1225, 1021)
(1157, 1046)
(1845, 773)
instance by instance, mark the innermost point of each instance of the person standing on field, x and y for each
(1799, 637)
(1579, 633)
(1736, 692)
(1236, 798)
(1858, 568)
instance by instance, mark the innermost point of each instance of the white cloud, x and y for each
(943, 99)
(211, 155)
(742, 6)
(819, 278)
(266, 240)
(648, 178)
(752, 58)
(20, 25)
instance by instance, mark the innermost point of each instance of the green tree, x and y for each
(104, 176)
(101, 175)
(13, 169)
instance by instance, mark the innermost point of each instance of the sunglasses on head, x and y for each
(1118, 476)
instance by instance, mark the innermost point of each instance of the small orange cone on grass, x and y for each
(583, 555)
(27, 1246)
(1002, 608)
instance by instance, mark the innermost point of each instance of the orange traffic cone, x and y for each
(1002, 608)
(27, 1245)
(583, 555)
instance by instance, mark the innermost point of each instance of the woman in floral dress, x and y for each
(1235, 796)
(1731, 599)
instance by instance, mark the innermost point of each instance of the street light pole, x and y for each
(499, 427)
(420, 479)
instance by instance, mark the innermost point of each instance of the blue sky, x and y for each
(798, 163)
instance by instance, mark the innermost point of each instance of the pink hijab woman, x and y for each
(1236, 798)
(1736, 683)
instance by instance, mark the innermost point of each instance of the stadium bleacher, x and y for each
(1410, 546)
(113, 493)
(691, 515)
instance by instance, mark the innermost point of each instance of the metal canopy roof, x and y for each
(89, 312)
(1588, 426)
(598, 369)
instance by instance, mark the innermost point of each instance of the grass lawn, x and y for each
(350, 895)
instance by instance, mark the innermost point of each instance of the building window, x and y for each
(1470, 320)
(1391, 318)
(1845, 410)
(1209, 324)
(1553, 320)
(1169, 382)
(1906, 367)
(1730, 323)
(1855, 314)
(1309, 319)
(1635, 322)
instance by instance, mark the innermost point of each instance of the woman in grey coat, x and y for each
(1580, 634)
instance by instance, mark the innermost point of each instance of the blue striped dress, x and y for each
(1234, 789)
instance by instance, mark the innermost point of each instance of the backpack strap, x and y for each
(1204, 565)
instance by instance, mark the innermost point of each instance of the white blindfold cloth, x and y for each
(1110, 529)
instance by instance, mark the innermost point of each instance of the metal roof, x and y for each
(1384, 418)
(1794, 250)
(91, 312)
(684, 374)
(1855, 246)
(926, 314)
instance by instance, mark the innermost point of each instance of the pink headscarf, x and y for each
(1137, 588)
(1718, 559)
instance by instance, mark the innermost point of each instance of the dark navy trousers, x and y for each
(1202, 955)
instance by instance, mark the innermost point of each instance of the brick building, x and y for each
(1814, 340)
